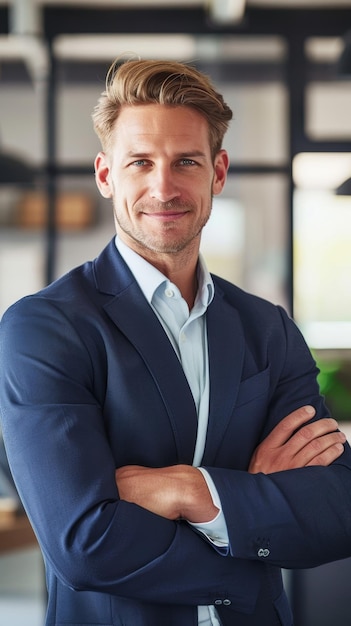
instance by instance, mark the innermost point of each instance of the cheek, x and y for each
(130, 190)
(124, 202)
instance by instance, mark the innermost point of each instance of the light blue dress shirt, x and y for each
(187, 334)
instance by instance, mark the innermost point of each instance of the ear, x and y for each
(102, 175)
(221, 164)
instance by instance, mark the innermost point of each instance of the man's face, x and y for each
(161, 177)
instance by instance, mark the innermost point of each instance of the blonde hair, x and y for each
(136, 82)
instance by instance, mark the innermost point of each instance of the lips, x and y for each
(167, 215)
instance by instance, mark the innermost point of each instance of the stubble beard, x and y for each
(157, 243)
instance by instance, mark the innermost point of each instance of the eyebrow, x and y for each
(179, 155)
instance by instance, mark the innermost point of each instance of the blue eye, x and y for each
(187, 161)
(139, 162)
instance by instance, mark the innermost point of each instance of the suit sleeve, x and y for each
(296, 518)
(58, 449)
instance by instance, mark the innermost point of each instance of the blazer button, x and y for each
(263, 552)
(225, 602)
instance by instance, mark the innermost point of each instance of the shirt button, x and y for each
(218, 602)
(169, 292)
(227, 602)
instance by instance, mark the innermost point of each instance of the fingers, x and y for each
(297, 442)
(311, 432)
(287, 426)
(322, 450)
(316, 443)
(328, 456)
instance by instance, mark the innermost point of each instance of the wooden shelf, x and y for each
(16, 532)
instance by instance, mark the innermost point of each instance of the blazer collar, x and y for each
(111, 273)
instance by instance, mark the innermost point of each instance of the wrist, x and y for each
(196, 503)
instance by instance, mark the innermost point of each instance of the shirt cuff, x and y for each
(216, 530)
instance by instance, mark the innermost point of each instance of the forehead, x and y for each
(158, 122)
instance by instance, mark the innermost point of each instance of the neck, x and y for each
(182, 273)
(179, 267)
(187, 285)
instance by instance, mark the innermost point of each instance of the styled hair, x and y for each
(137, 82)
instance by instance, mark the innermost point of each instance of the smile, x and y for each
(167, 216)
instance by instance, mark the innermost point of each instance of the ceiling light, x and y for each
(25, 17)
(226, 11)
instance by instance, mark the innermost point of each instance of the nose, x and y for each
(163, 186)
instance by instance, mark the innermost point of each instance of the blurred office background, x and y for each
(281, 229)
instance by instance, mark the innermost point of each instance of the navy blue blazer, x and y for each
(90, 382)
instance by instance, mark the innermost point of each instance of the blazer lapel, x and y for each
(226, 354)
(130, 311)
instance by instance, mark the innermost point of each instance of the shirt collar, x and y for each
(150, 278)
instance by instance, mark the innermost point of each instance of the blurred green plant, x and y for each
(335, 384)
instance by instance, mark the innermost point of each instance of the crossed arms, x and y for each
(180, 491)
(55, 432)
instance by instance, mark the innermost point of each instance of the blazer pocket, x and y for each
(253, 387)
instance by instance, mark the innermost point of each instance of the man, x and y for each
(164, 428)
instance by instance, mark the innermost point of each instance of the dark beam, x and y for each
(222, 71)
(81, 72)
(307, 22)
(4, 21)
(323, 145)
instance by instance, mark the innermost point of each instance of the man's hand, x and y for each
(291, 444)
(175, 492)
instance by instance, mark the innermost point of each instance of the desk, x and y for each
(15, 532)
